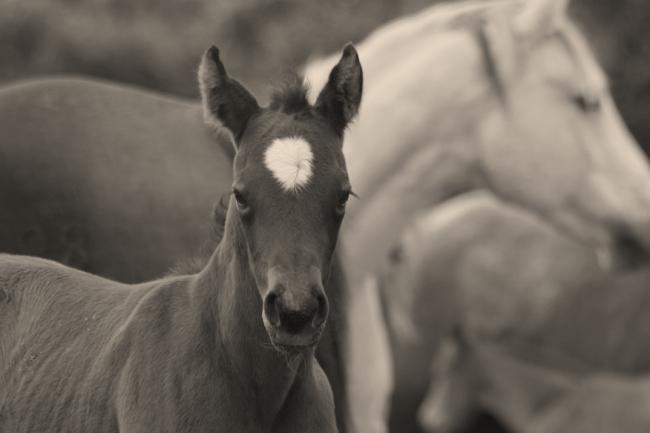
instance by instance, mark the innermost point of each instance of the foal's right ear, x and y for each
(225, 101)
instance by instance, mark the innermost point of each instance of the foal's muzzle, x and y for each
(295, 309)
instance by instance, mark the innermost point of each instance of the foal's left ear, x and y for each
(225, 101)
(340, 98)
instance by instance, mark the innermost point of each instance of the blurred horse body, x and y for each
(476, 260)
(106, 178)
(496, 263)
(500, 95)
(526, 397)
(600, 325)
(507, 275)
(602, 403)
(468, 373)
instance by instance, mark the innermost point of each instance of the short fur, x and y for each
(79, 353)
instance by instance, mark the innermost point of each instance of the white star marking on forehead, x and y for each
(290, 161)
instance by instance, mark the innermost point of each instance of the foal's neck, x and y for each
(228, 289)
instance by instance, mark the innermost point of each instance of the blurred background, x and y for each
(157, 43)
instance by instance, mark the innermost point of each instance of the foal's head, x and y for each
(290, 188)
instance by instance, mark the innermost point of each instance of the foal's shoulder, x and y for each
(20, 272)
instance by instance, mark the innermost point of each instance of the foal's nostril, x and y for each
(323, 310)
(271, 308)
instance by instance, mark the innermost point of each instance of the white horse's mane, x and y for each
(392, 37)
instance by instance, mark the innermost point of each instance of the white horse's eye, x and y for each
(588, 103)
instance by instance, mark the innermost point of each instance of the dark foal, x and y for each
(229, 349)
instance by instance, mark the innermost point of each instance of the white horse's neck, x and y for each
(400, 119)
(406, 154)
(375, 224)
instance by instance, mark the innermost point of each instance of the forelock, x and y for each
(291, 96)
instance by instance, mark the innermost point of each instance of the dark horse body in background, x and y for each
(230, 348)
(120, 182)
(107, 179)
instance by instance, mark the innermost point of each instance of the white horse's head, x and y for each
(557, 144)
(503, 95)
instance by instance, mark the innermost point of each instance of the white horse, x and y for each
(503, 95)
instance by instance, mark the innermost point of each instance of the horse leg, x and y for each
(369, 360)
(309, 407)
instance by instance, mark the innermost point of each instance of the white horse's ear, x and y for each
(226, 102)
(500, 48)
(540, 17)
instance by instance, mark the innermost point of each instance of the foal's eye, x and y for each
(343, 200)
(240, 200)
